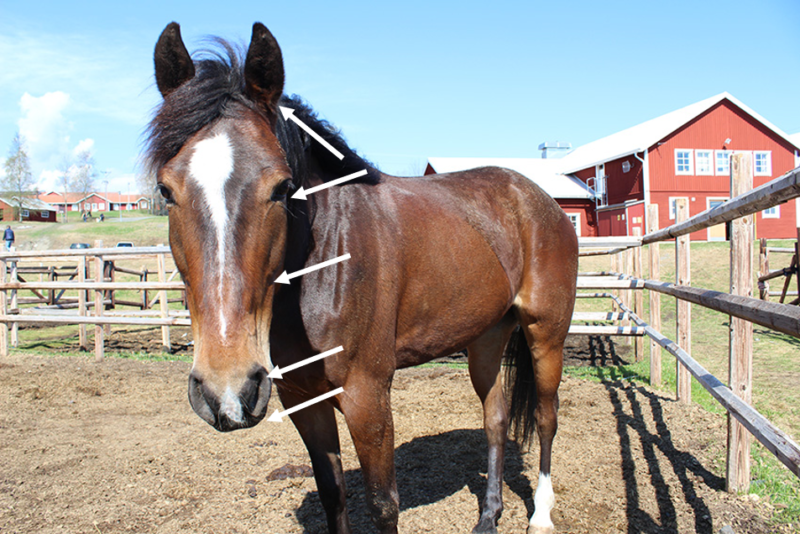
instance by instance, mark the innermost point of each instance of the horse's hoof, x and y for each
(539, 530)
(485, 527)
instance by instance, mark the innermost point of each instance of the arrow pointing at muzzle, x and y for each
(277, 417)
(277, 372)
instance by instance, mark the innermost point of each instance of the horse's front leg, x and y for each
(317, 427)
(367, 409)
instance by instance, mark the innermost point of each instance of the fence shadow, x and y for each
(429, 469)
(628, 402)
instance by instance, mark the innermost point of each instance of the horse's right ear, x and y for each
(263, 69)
(174, 65)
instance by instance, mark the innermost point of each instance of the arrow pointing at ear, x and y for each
(277, 417)
(288, 114)
(278, 372)
(285, 277)
(303, 193)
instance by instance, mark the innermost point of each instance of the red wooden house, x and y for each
(685, 153)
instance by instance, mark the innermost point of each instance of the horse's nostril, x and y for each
(199, 400)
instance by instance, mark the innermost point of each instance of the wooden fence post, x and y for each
(4, 310)
(740, 370)
(684, 310)
(15, 305)
(98, 305)
(763, 269)
(83, 339)
(638, 296)
(655, 297)
(164, 302)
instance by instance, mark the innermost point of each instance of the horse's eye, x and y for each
(165, 192)
(281, 190)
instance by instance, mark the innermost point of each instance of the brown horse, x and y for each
(438, 264)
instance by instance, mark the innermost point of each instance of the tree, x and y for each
(65, 182)
(85, 174)
(18, 176)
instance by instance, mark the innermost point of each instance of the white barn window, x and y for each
(575, 219)
(704, 162)
(723, 162)
(772, 213)
(684, 161)
(762, 163)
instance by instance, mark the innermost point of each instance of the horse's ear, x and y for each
(174, 65)
(263, 69)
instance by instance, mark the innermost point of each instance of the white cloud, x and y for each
(44, 127)
(86, 145)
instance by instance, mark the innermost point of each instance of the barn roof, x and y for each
(28, 203)
(546, 173)
(642, 136)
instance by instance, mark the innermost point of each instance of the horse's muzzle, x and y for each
(232, 410)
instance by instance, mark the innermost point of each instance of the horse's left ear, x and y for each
(263, 69)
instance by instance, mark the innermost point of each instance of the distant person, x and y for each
(102, 217)
(9, 237)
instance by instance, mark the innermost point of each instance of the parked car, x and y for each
(80, 245)
(125, 244)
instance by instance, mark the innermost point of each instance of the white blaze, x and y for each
(543, 501)
(211, 166)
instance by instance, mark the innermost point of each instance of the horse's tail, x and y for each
(520, 388)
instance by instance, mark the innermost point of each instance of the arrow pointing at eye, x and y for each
(277, 417)
(285, 277)
(288, 114)
(303, 193)
(278, 372)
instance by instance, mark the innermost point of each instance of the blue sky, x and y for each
(403, 81)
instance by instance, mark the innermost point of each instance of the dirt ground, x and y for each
(114, 447)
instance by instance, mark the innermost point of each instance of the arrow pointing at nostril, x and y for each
(285, 277)
(277, 372)
(277, 417)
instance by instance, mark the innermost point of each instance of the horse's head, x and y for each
(225, 179)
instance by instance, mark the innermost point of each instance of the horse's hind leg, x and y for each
(545, 334)
(485, 356)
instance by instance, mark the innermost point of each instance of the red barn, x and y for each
(685, 154)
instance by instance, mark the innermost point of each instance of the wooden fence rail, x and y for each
(739, 304)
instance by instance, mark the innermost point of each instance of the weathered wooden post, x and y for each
(98, 305)
(4, 310)
(638, 296)
(763, 268)
(15, 305)
(164, 301)
(740, 370)
(83, 339)
(684, 310)
(655, 297)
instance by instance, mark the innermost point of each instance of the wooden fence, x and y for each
(57, 301)
(744, 310)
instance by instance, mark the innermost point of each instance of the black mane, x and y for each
(218, 85)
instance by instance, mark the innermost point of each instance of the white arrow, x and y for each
(277, 417)
(303, 193)
(288, 114)
(278, 372)
(285, 277)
